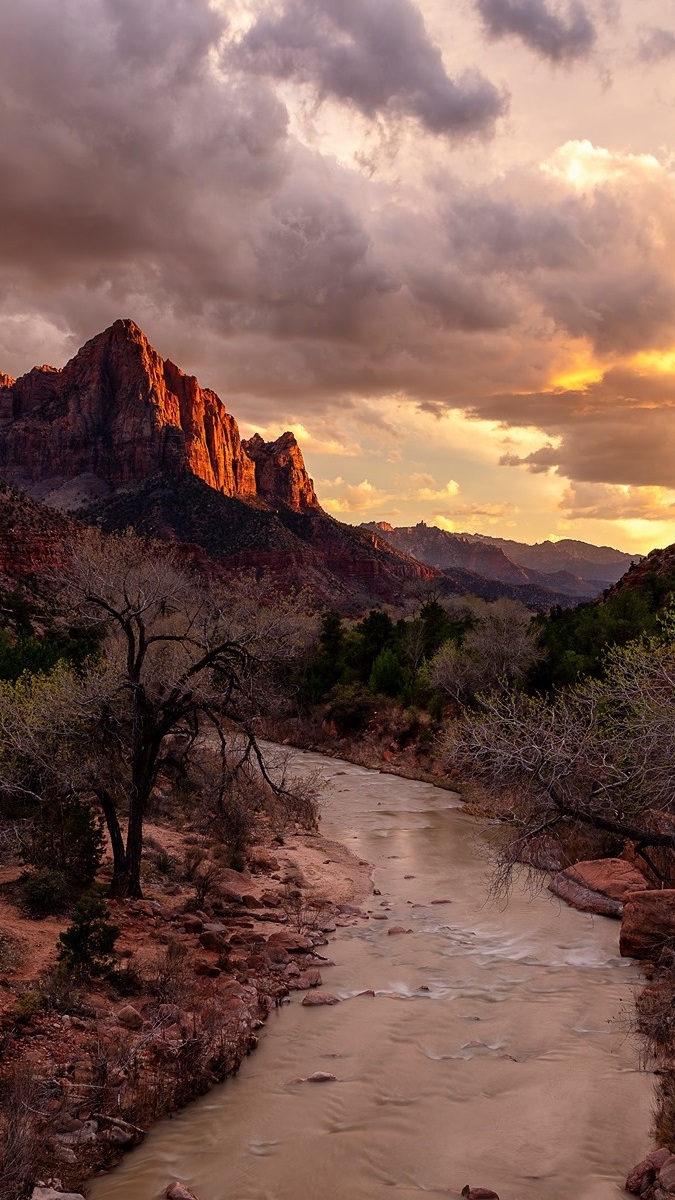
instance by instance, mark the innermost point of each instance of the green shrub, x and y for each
(87, 945)
(42, 893)
(69, 836)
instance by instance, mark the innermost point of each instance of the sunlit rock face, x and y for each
(118, 413)
(281, 476)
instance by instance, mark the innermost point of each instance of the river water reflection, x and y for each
(494, 1051)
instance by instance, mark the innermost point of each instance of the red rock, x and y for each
(397, 929)
(644, 1174)
(648, 923)
(479, 1193)
(667, 1175)
(130, 1017)
(204, 967)
(280, 474)
(583, 898)
(316, 999)
(178, 1191)
(118, 413)
(293, 943)
(612, 876)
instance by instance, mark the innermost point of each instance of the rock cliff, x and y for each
(118, 413)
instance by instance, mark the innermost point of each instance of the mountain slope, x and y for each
(573, 569)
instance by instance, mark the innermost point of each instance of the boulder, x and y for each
(644, 1174)
(478, 1193)
(612, 876)
(293, 943)
(648, 923)
(315, 999)
(50, 1193)
(667, 1175)
(215, 943)
(178, 1191)
(583, 898)
(130, 1017)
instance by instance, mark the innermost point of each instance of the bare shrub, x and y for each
(171, 978)
(305, 913)
(201, 871)
(21, 1138)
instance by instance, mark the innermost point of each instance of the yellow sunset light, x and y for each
(580, 377)
(660, 362)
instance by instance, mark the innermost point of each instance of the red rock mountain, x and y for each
(117, 414)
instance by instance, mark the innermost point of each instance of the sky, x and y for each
(436, 240)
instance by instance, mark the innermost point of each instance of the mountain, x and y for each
(122, 437)
(599, 565)
(117, 414)
(568, 568)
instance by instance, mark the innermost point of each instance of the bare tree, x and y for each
(180, 658)
(498, 648)
(598, 756)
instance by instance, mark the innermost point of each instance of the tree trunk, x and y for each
(135, 848)
(119, 886)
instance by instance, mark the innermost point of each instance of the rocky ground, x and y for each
(88, 1067)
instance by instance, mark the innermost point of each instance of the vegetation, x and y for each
(181, 664)
(86, 947)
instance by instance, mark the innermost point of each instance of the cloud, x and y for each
(616, 431)
(475, 514)
(656, 44)
(424, 488)
(352, 497)
(375, 55)
(560, 35)
(605, 502)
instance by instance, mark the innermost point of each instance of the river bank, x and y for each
(89, 1067)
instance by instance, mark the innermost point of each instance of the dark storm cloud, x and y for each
(616, 431)
(373, 54)
(560, 35)
(656, 44)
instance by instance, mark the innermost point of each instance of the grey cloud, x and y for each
(558, 35)
(617, 431)
(656, 44)
(373, 54)
(585, 257)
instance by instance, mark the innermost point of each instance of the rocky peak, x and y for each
(280, 472)
(118, 413)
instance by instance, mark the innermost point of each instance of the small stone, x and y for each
(50, 1193)
(322, 1077)
(315, 999)
(478, 1193)
(178, 1191)
(397, 929)
(667, 1175)
(208, 969)
(130, 1017)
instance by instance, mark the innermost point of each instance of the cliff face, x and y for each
(281, 477)
(117, 414)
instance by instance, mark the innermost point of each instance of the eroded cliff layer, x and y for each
(119, 413)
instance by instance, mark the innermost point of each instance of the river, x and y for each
(494, 1052)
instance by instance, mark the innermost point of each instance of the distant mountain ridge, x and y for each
(570, 568)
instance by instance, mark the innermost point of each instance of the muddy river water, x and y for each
(494, 1052)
